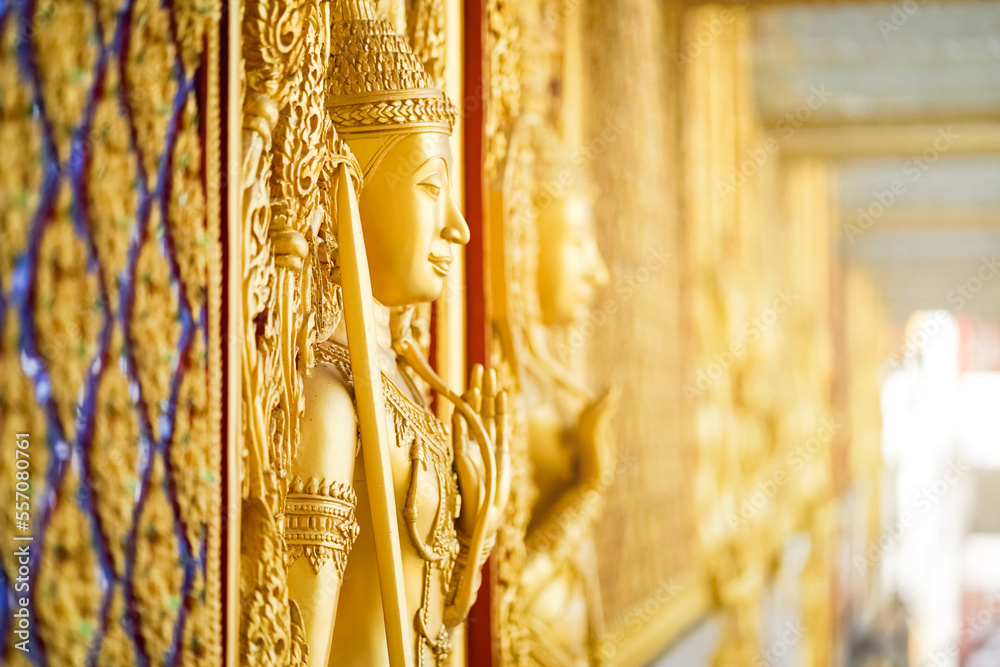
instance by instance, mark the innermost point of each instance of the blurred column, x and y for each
(722, 234)
(810, 215)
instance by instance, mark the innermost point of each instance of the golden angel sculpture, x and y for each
(366, 520)
(563, 450)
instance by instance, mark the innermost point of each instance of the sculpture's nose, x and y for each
(599, 270)
(456, 230)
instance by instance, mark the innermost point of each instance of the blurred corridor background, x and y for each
(862, 176)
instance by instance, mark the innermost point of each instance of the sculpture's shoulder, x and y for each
(329, 425)
(329, 385)
(328, 389)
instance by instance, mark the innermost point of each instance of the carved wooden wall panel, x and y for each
(110, 285)
(646, 540)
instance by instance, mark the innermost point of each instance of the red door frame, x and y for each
(478, 328)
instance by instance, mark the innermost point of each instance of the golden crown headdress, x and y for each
(375, 83)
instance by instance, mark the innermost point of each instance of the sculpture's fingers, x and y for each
(477, 463)
(464, 467)
(609, 401)
(458, 443)
(607, 415)
(473, 397)
(489, 403)
(504, 471)
(476, 377)
(473, 394)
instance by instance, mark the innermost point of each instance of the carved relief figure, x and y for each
(554, 603)
(384, 514)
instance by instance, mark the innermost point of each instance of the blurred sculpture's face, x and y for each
(570, 266)
(412, 225)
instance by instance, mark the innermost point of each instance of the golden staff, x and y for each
(359, 317)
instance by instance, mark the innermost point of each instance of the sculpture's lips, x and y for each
(441, 263)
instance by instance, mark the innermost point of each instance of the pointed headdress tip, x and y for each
(375, 83)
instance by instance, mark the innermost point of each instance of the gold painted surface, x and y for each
(545, 270)
(549, 266)
(275, 37)
(117, 338)
(646, 539)
(868, 346)
(693, 262)
(758, 230)
(349, 130)
(721, 224)
(508, 174)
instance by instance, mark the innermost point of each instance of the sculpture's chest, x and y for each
(426, 486)
(424, 478)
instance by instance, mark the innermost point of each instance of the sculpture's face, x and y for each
(570, 266)
(412, 225)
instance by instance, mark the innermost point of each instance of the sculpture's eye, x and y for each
(431, 187)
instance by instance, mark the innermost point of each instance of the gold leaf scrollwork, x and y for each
(274, 42)
(289, 246)
(266, 630)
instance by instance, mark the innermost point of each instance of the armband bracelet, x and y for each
(320, 523)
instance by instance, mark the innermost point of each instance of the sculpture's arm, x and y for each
(484, 477)
(566, 523)
(320, 525)
(480, 433)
